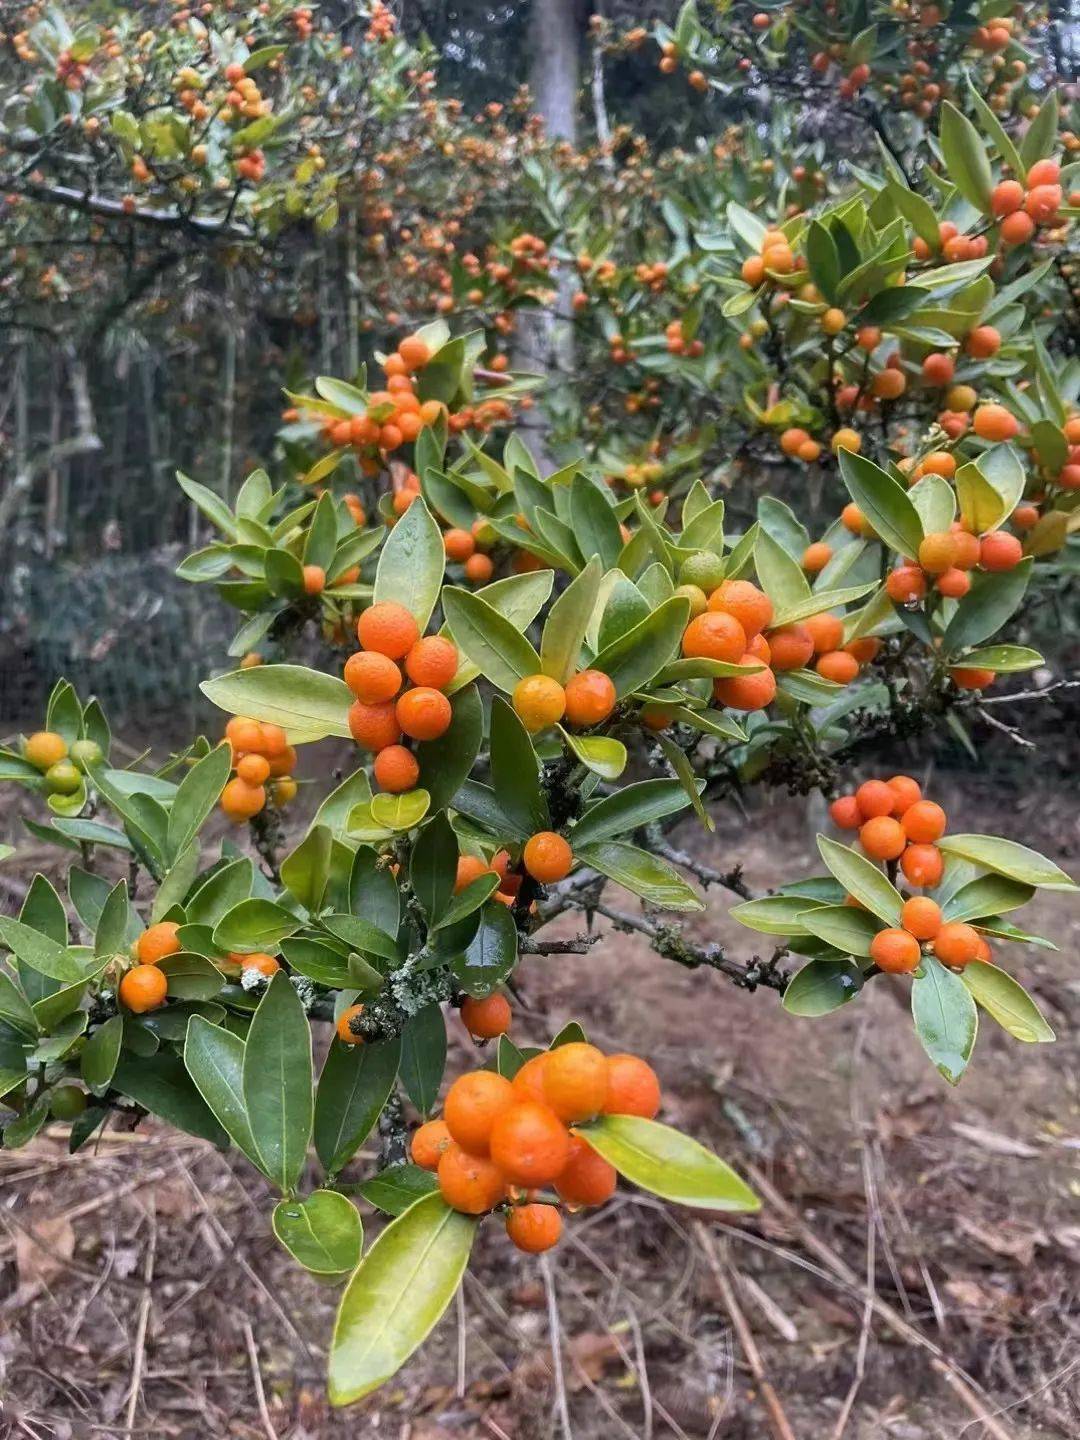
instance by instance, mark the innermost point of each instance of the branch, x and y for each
(730, 879)
(577, 945)
(90, 204)
(668, 940)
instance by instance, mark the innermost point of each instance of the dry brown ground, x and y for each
(140, 1283)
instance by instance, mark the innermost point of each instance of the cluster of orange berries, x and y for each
(382, 23)
(244, 100)
(145, 986)
(300, 20)
(545, 856)
(466, 548)
(382, 713)
(587, 698)
(501, 1141)
(69, 71)
(895, 823)
(1022, 210)
(678, 344)
(395, 415)
(776, 258)
(260, 753)
(23, 48)
(734, 628)
(953, 245)
(653, 276)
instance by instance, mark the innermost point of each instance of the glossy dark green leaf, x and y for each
(423, 1057)
(214, 1058)
(277, 1080)
(354, 1086)
(626, 810)
(305, 871)
(397, 1187)
(883, 502)
(196, 797)
(411, 564)
(160, 1084)
(567, 621)
(992, 599)
(101, 1054)
(822, 986)
(433, 867)
(515, 770)
(445, 763)
(254, 924)
(946, 1020)
(631, 661)
(373, 892)
(322, 1232)
(1007, 857)
(494, 644)
(491, 954)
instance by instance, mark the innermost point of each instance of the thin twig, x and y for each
(140, 1328)
(555, 1336)
(257, 1381)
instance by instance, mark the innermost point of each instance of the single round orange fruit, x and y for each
(388, 628)
(432, 661)
(372, 678)
(633, 1087)
(143, 988)
(547, 857)
(534, 1228)
(588, 1178)
(469, 1183)
(473, 1103)
(424, 713)
(487, 1018)
(576, 1081)
(428, 1144)
(345, 1033)
(158, 941)
(529, 1143)
(590, 698)
(539, 701)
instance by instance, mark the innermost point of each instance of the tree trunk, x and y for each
(546, 340)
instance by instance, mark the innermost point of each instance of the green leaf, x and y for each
(323, 1232)
(322, 532)
(196, 797)
(933, 498)
(982, 612)
(946, 1020)
(39, 952)
(822, 986)
(397, 1296)
(775, 914)
(781, 576)
(160, 1084)
(211, 505)
(191, 976)
(276, 1082)
(634, 658)
(254, 924)
(397, 1187)
(626, 810)
(399, 812)
(15, 1009)
(1041, 135)
(1005, 659)
(646, 875)
(515, 770)
(466, 901)
(919, 213)
(668, 1163)
(411, 564)
(861, 878)
(601, 754)
(519, 599)
(355, 1084)
(822, 259)
(423, 1057)
(884, 503)
(564, 629)
(844, 928)
(177, 882)
(1006, 857)
(214, 1058)
(110, 933)
(995, 131)
(306, 703)
(965, 157)
(220, 892)
(433, 867)
(306, 870)
(446, 763)
(494, 644)
(101, 1054)
(490, 955)
(1008, 1002)
(594, 523)
(987, 895)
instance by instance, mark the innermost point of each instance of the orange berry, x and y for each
(590, 698)
(760, 649)
(792, 440)
(746, 692)
(1018, 228)
(715, 635)
(632, 1087)
(883, 838)
(374, 727)
(790, 647)
(576, 1081)
(1006, 198)
(924, 822)
(143, 988)
(388, 628)
(458, 544)
(837, 665)
(284, 763)
(157, 942)
(534, 1228)
(967, 677)
(983, 342)
(415, 352)
(875, 797)
(826, 631)
(529, 1143)
(488, 1018)
(240, 801)
(864, 649)
(1044, 172)
(954, 584)
(888, 384)
(528, 1083)
(895, 951)
(852, 518)
(956, 943)
(905, 584)
(469, 868)
(994, 422)
(345, 1033)
(906, 792)
(936, 552)
(479, 569)
(469, 1183)
(432, 661)
(845, 813)
(922, 865)
(314, 579)
(373, 678)
(816, 557)
(539, 702)
(244, 735)
(1000, 551)
(938, 369)
(753, 270)
(547, 857)
(424, 713)
(259, 961)
(588, 1178)
(750, 606)
(939, 462)
(395, 769)
(428, 1144)
(921, 917)
(473, 1103)
(274, 742)
(253, 769)
(966, 549)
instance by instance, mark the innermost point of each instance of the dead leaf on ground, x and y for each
(43, 1246)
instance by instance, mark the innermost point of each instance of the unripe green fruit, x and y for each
(63, 778)
(67, 1102)
(699, 602)
(86, 753)
(704, 570)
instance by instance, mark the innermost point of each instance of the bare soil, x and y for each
(141, 1291)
